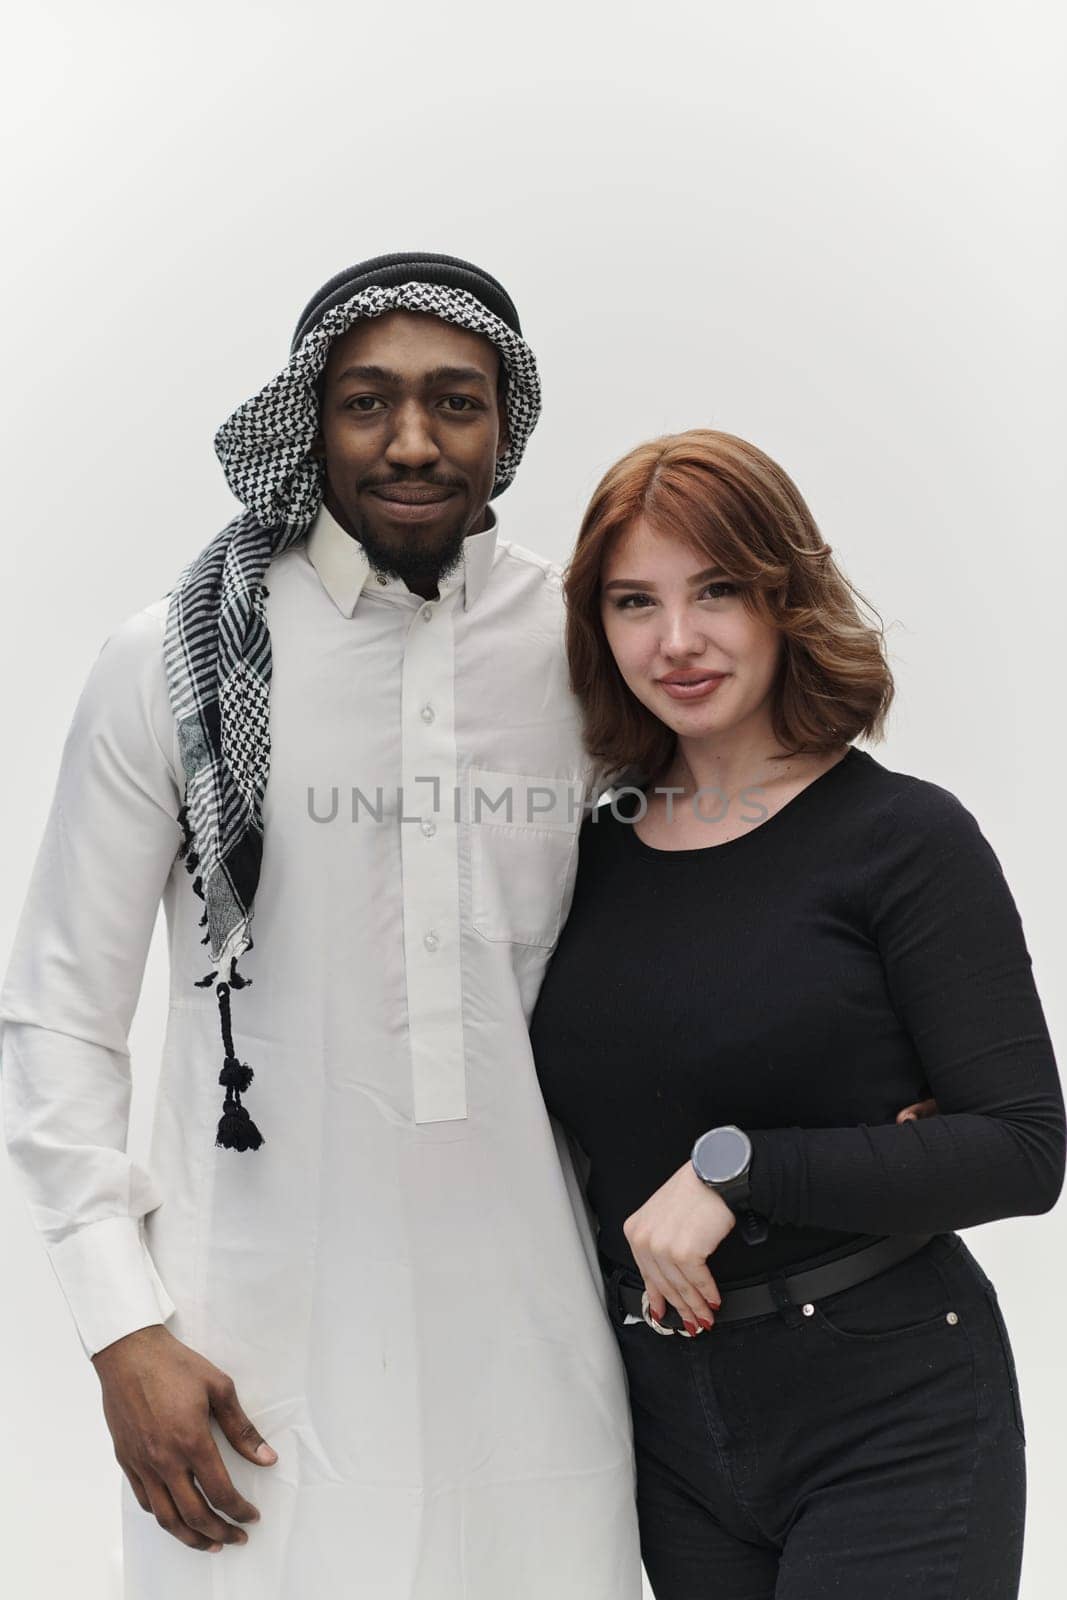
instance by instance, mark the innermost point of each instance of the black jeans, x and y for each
(869, 1448)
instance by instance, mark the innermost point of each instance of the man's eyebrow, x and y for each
(645, 583)
(431, 380)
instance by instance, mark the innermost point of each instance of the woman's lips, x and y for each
(693, 691)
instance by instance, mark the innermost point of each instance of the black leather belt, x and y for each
(798, 1288)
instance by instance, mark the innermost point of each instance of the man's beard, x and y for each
(411, 560)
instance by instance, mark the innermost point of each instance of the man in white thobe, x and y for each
(401, 1283)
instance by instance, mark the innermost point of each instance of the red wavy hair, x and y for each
(737, 508)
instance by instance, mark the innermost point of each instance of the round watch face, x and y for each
(721, 1154)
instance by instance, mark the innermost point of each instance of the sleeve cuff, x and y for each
(769, 1146)
(109, 1281)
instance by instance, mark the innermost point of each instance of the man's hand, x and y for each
(159, 1396)
(671, 1237)
(921, 1108)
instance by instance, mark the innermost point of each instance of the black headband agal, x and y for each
(407, 266)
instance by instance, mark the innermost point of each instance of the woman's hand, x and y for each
(921, 1108)
(683, 1223)
(671, 1237)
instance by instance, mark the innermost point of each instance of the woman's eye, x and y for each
(721, 588)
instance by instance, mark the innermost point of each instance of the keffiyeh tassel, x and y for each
(236, 1130)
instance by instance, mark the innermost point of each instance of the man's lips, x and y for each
(411, 502)
(412, 494)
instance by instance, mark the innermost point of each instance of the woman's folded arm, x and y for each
(961, 980)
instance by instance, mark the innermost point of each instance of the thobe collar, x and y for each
(344, 569)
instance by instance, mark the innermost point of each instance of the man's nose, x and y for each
(412, 443)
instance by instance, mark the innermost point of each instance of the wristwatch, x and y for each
(721, 1158)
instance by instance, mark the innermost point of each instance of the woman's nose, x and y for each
(681, 634)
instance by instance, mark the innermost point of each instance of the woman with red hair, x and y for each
(775, 941)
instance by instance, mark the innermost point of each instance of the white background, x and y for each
(836, 229)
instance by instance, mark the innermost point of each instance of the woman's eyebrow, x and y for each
(645, 583)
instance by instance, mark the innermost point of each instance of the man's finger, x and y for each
(198, 1515)
(218, 1486)
(167, 1514)
(138, 1489)
(239, 1429)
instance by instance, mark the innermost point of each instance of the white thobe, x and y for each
(402, 1281)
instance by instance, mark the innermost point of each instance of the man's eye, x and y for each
(464, 400)
(356, 403)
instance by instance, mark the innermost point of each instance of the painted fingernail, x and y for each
(655, 1315)
(690, 1327)
(716, 1305)
(705, 1322)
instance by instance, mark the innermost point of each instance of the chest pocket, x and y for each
(523, 841)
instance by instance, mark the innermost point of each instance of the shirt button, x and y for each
(383, 581)
(952, 1319)
(429, 827)
(808, 1310)
(427, 613)
(427, 713)
(431, 941)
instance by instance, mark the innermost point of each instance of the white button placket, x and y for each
(429, 848)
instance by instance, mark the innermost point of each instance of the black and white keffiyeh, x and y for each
(217, 644)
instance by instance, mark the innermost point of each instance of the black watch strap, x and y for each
(754, 1228)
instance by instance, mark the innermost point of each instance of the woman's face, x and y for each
(667, 615)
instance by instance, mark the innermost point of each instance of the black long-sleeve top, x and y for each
(856, 951)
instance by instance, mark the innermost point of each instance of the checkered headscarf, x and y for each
(217, 646)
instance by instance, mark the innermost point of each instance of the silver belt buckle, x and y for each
(668, 1332)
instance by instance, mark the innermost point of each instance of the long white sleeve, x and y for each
(73, 982)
